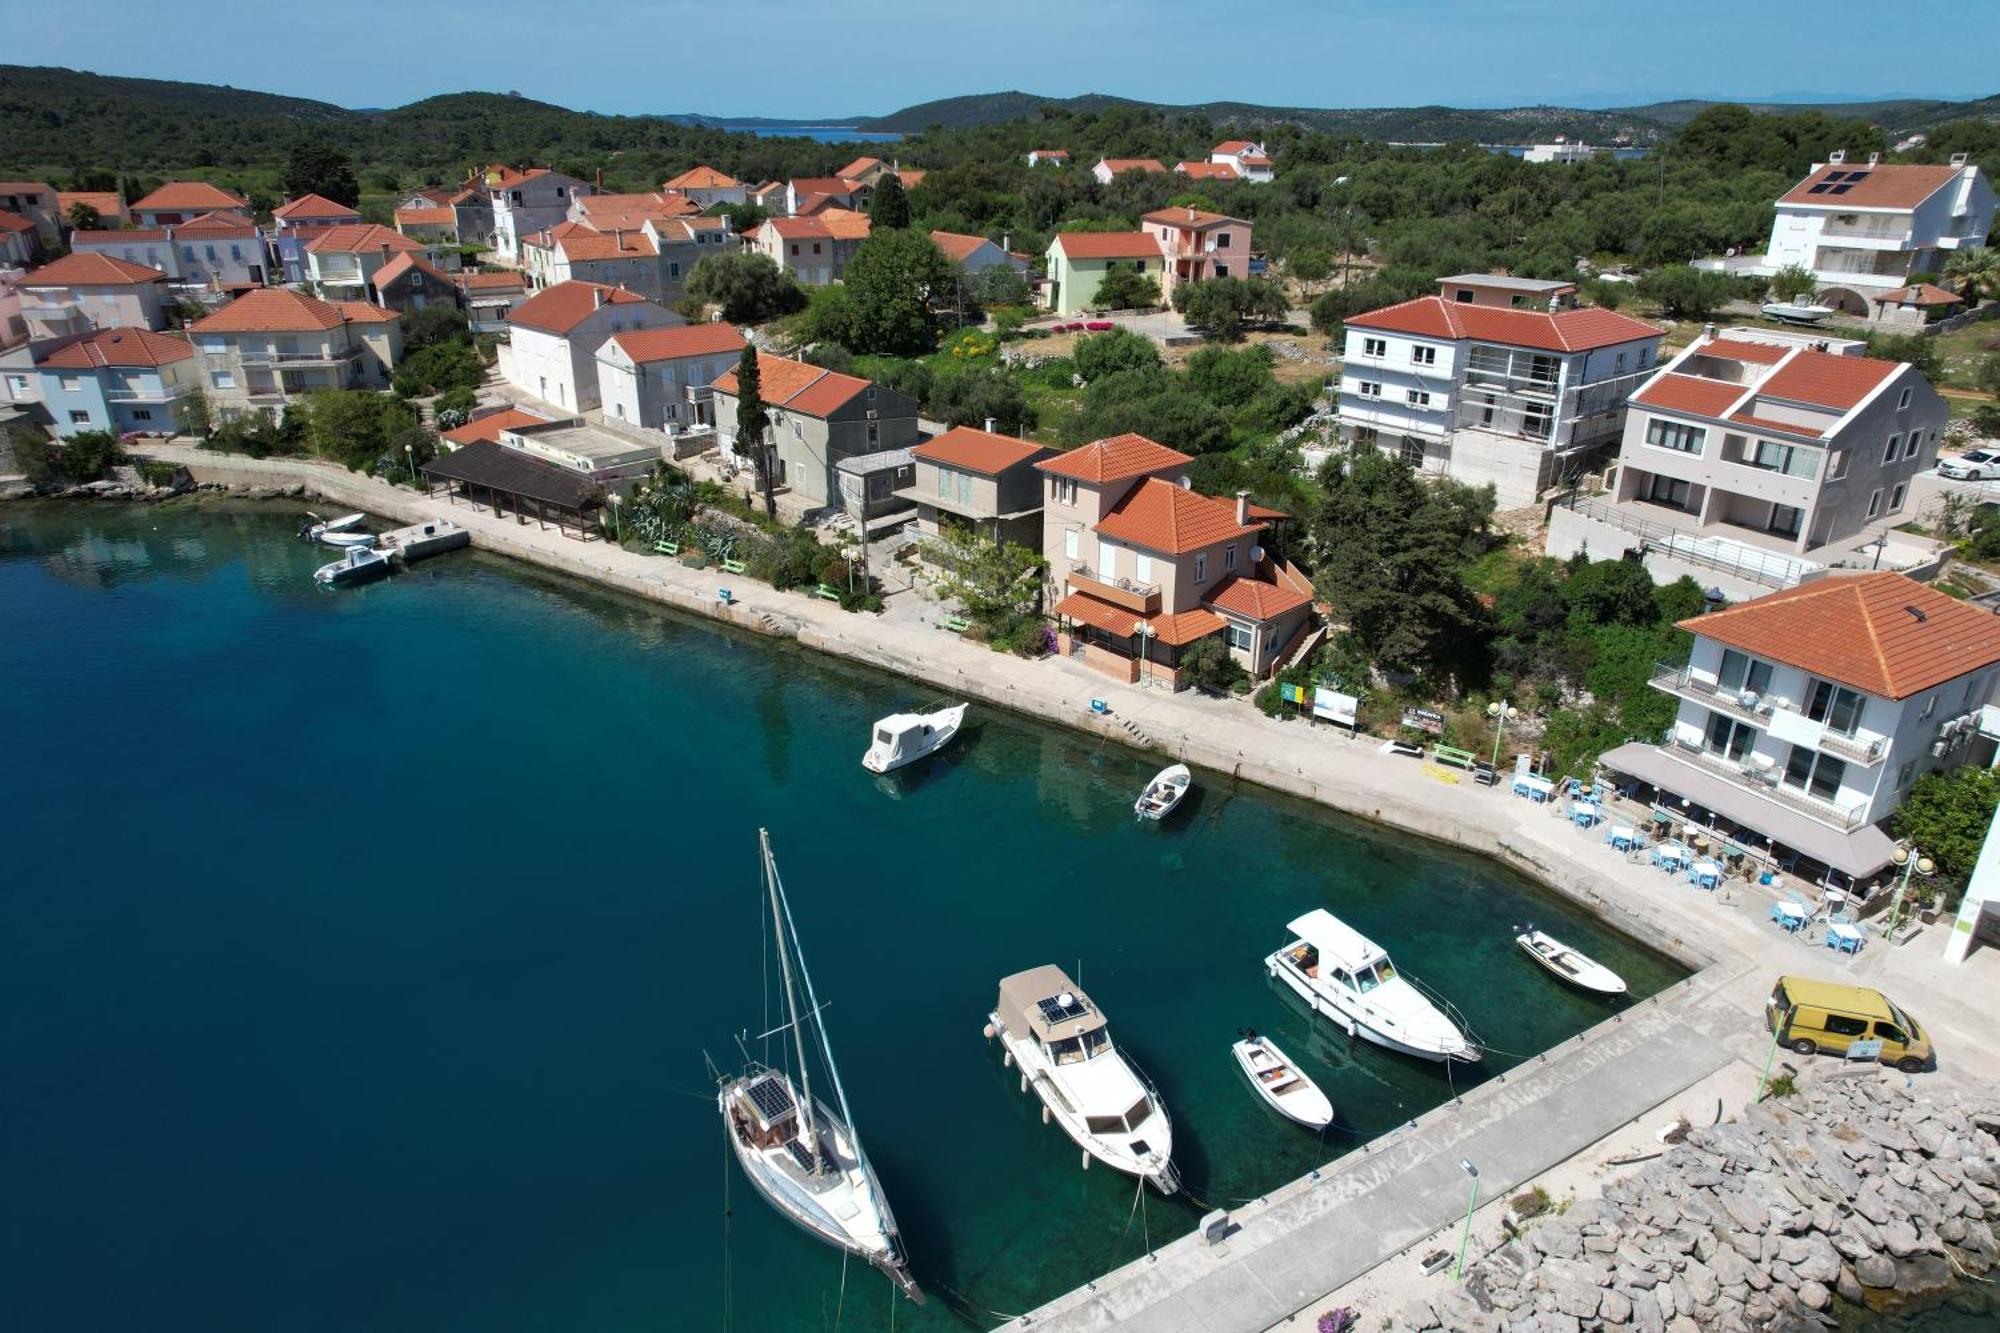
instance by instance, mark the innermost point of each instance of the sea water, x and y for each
(362, 953)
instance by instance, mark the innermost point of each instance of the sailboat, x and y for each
(803, 1157)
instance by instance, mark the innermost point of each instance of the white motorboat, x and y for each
(344, 539)
(1796, 312)
(1282, 1085)
(1346, 976)
(904, 738)
(1164, 792)
(1062, 1045)
(313, 531)
(357, 564)
(808, 1164)
(1576, 968)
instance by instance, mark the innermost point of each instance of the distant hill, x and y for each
(1426, 124)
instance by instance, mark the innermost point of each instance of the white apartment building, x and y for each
(1247, 159)
(663, 379)
(81, 291)
(1751, 451)
(1469, 386)
(553, 337)
(1863, 229)
(218, 251)
(1806, 715)
(525, 202)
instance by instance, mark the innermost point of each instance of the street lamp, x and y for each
(1146, 633)
(617, 528)
(1472, 1200)
(1502, 713)
(410, 455)
(1913, 862)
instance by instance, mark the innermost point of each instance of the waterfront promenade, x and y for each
(1310, 1238)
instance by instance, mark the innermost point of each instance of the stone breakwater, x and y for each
(1854, 1187)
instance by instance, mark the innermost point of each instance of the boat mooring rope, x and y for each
(728, 1297)
(840, 1301)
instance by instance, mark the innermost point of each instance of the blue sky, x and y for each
(812, 58)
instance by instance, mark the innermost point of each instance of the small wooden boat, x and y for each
(357, 564)
(320, 527)
(1167, 789)
(344, 539)
(1570, 965)
(904, 738)
(1281, 1084)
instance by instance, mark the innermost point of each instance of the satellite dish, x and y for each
(1256, 555)
(1187, 483)
(1067, 999)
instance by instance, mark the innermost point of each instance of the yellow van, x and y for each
(1811, 1016)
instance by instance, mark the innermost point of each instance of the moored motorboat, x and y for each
(1167, 789)
(1062, 1044)
(318, 527)
(1280, 1083)
(904, 738)
(1346, 976)
(1571, 965)
(802, 1155)
(357, 564)
(345, 539)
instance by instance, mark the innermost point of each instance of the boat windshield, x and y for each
(883, 736)
(1076, 1050)
(1370, 977)
(1128, 1123)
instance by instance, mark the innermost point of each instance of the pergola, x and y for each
(510, 480)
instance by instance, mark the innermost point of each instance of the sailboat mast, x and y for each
(779, 918)
(819, 1027)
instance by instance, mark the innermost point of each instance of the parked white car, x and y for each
(1972, 465)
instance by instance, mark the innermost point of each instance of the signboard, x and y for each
(1423, 719)
(1334, 706)
(1865, 1050)
(1292, 694)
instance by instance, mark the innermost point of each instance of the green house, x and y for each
(1078, 261)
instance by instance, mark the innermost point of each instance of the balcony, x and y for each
(1757, 710)
(1765, 783)
(1143, 598)
(329, 357)
(1882, 233)
(160, 395)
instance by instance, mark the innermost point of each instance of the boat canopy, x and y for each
(1043, 1000)
(1338, 943)
(902, 733)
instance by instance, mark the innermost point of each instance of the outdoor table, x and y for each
(1790, 915)
(1534, 788)
(1583, 816)
(1670, 855)
(1844, 938)
(1706, 874)
(1623, 837)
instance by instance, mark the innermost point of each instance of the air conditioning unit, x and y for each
(1938, 748)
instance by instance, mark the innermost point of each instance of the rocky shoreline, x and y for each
(1858, 1187)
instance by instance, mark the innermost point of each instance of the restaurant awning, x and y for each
(1859, 853)
(497, 468)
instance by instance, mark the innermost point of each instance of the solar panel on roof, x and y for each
(1821, 188)
(1840, 189)
(1059, 1007)
(771, 1098)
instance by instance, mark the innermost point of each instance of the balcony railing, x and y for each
(137, 395)
(1128, 593)
(1765, 783)
(330, 357)
(1721, 554)
(1758, 710)
(1874, 230)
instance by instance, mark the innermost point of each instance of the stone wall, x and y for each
(1855, 1185)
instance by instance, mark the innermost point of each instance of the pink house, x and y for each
(1198, 245)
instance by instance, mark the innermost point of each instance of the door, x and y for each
(1785, 520)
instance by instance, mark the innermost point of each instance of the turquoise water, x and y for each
(359, 952)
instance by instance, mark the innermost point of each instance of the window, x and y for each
(1814, 773)
(1464, 296)
(674, 271)
(1905, 773)
(222, 379)
(1229, 556)
(1836, 466)
(1668, 491)
(1675, 435)
(1729, 738)
(1618, 364)
(1914, 444)
(1895, 448)
(944, 486)
(1065, 490)
(70, 383)
(1374, 347)
(1201, 566)
(1107, 555)
(1142, 567)
(1222, 240)
(1896, 497)
(187, 253)
(1239, 636)
(1930, 706)
(142, 414)
(1740, 671)
(874, 432)
(1903, 399)
(78, 418)
(1412, 451)
(1835, 705)
(1785, 520)
(1874, 503)
(1070, 541)
(1424, 356)
(210, 250)
(1794, 460)
(1417, 398)
(1221, 270)
(1840, 1025)
(1368, 389)
(236, 252)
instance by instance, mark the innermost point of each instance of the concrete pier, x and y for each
(1311, 1237)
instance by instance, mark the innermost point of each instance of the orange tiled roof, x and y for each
(402, 264)
(1232, 147)
(646, 346)
(89, 269)
(1174, 630)
(272, 310)
(844, 224)
(1736, 349)
(1254, 599)
(823, 185)
(493, 282)
(1922, 293)
(911, 177)
(560, 308)
(702, 178)
(24, 187)
(1885, 634)
(441, 216)
(1825, 380)
(976, 450)
(1691, 393)
(221, 225)
(188, 197)
(1108, 245)
(120, 347)
(1858, 185)
(860, 166)
(312, 206)
(108, 203)
(957, 245)
(1560, 331)
(1172, 520)
(1193, 218)
(1206, 171)
(798, 386)
(360, 238)
(361, 312)
(14, 222)
(1118, 166)
(113, 236)
(488, 428)
(1114, 459)
(618, 244)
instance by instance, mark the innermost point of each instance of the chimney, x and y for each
(1242, 509)
(989, 425)
(600, 178)
(1836, 157)
(1960, 159)
(1007, 241)
(1874, 159)
(1708, 332)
